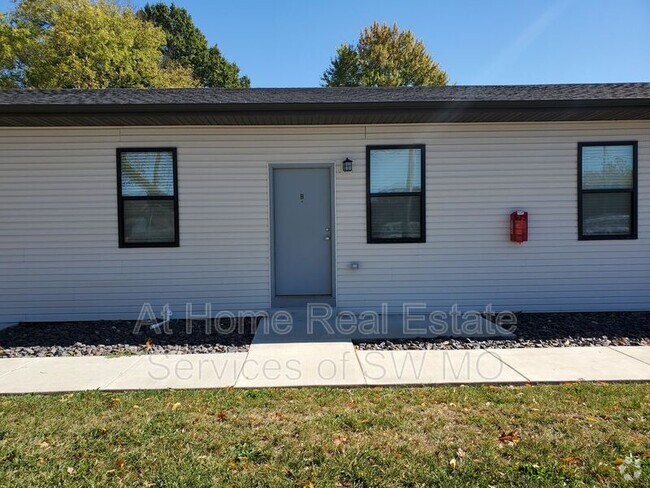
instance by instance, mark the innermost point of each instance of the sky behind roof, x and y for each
(282, 43)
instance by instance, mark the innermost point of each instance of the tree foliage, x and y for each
(345, 69)
(7, 58)
(384, 56)
(83, 44)
(186, 45)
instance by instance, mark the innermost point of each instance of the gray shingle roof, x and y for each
(356, 95)
(360, 105)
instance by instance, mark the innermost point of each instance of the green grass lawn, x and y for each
(531, 435)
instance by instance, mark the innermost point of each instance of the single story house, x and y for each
(241, 199)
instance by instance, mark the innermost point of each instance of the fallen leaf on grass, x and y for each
(452, 463)
(71, 471)
(176, 406)
(120, 463)
(460, 453)
(592, 419)
(510, 439)
(339, 440)
(44, 445)
(571, 459)
(618, 461)
(220, 416)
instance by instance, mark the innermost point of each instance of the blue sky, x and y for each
(290, 42)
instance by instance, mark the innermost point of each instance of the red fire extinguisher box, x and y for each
(519, 226)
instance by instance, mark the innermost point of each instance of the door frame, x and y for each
(273, 298)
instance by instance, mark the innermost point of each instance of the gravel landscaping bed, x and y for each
(122, 337)
(544, 330)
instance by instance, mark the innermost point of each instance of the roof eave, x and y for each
(323, 113)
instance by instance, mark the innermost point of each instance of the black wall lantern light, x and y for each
(347, 165)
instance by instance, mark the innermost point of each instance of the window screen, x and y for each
(395, 194)
(607, 190)
(147, 197)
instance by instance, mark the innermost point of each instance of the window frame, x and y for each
(121, 198)
(422, 192)
(633, 192)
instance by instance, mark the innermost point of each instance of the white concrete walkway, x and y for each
(323, 355)
(334, 363)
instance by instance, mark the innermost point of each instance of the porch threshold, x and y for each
(336, 325)
(301, 301)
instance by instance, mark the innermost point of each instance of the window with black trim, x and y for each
(147, 197)
(607, 187)
(395, 193)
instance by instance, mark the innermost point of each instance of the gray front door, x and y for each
(302, 231)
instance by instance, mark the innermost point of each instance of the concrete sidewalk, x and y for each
(324, 364)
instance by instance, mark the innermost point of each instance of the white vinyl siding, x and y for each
(60, 260)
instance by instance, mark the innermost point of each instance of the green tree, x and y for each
(384, 56)
(84, 44)
(345, 69)
(187, 46)
(7, 54)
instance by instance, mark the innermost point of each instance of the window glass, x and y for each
(395, 170)
(147, 200)
(606, 214)
(147, 173)
(149, 221)
(395, 202)
(607, 191)
(605, 167)
(395, 217)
